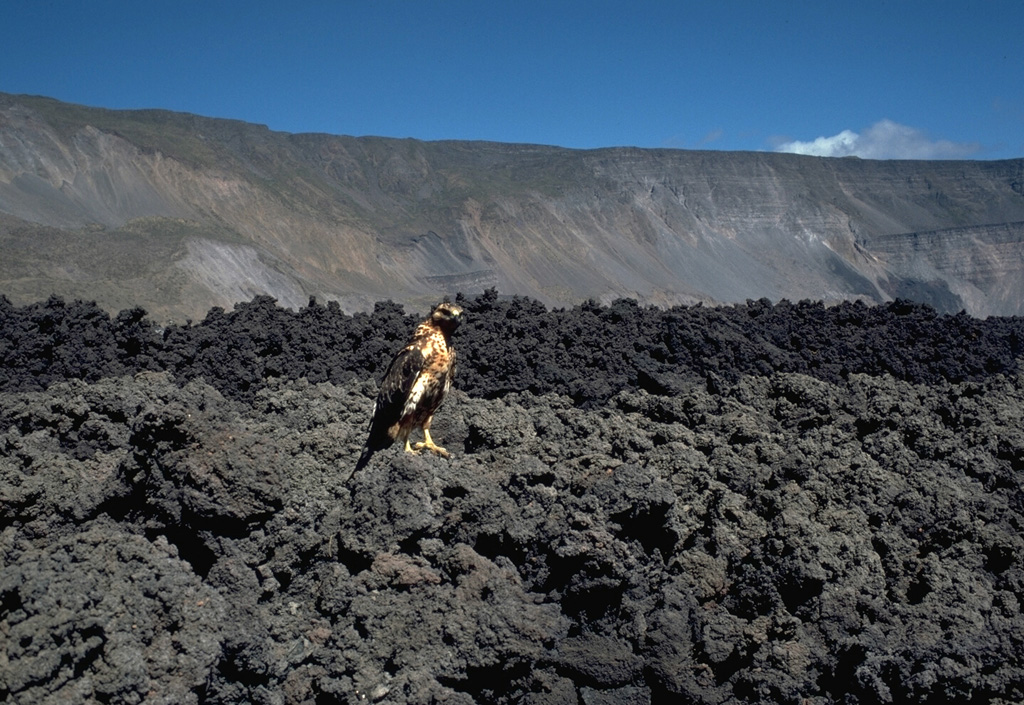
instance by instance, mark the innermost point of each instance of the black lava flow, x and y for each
(760, 503)
(589, 352)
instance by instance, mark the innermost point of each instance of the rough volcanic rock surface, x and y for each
(783, 503)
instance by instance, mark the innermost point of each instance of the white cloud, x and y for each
(710, 137)
(883, 140)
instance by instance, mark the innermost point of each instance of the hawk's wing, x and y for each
(394, 393)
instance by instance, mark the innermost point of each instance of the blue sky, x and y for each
(897, 79)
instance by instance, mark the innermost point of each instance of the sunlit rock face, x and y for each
(178, 213)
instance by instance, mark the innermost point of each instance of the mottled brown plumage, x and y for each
(414, 386)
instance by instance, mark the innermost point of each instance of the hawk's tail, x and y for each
(364, 458)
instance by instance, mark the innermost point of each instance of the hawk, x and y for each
(414, 386)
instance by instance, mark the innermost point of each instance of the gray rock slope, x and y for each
(179, 213)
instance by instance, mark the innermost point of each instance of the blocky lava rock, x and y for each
(781, 503)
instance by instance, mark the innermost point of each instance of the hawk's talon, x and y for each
(432, 447)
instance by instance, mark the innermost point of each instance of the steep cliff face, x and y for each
(203, 212)
(982, 265)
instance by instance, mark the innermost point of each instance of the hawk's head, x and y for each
(447, 317)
